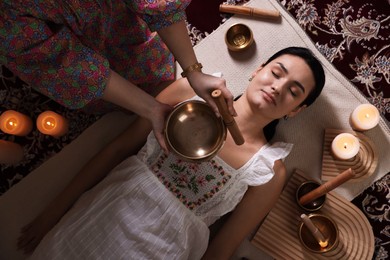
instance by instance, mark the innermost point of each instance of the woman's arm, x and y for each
(94, 171)
(125, 94)
(176, 38)
(126, 144)
(252, 209)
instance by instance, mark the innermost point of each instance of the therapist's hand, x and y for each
(157, 118)
(204, 84)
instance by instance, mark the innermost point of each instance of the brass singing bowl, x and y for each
(313, 205)
(238, 37)
(194, 132)
(326, 226)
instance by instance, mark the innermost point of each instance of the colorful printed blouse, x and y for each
(64, 49)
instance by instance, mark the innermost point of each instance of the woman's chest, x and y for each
(194, 184)
(238, 155)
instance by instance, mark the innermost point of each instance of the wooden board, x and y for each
(364, 163)
(278, 235)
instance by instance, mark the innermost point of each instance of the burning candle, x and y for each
(315, 231)
(345, 146)
(51, 123)
(15, 123)
(10, 152)
(364, 117)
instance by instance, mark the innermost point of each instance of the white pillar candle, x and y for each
(364, 117)
(345, 146)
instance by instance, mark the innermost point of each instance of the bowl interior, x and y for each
(238, 37)
(193, 131)
(305, 188)
(326, 226)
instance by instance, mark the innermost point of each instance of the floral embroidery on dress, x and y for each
(192, 183)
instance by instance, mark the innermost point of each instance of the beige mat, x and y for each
(306, 130)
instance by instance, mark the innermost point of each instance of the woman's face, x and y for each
(279, 88)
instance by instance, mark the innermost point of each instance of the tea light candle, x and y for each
(10, 152)
(51, 123)
(345, 146)
(314, 230)
(364, 117)
(15, 123)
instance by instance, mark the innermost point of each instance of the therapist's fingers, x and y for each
(229, 101)
(158, 124)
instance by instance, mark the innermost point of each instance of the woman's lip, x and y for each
(268, 97)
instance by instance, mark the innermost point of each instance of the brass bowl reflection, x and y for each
(194, 132)
(306, 187)
(238, 37)
(326, 226)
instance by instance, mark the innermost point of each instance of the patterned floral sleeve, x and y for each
(159, 13)
(52, 60)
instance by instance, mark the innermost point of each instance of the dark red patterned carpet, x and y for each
(353, 35)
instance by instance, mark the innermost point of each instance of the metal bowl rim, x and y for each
(194, 158)
(331, 221)
(302, 206)
(241, 47)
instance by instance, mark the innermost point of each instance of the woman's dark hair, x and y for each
(319, 78)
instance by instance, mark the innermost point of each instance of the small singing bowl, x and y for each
(194, 132)
(313, 205)
(326, 226)
(238, 37)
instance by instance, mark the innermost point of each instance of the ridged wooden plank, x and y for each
(278, 235)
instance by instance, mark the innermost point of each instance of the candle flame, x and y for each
(323, 244)
(12, 123)
(49, 123)
(345, 145)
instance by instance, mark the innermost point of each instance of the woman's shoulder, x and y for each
(269, 157)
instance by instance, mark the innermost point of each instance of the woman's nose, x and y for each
(275, 89)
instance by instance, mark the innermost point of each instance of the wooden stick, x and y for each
(227, 117)
(314, 230)
(327, 186)
(249, 11)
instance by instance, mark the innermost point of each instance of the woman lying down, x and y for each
(131, 200)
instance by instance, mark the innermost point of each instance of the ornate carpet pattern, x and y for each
(353, 35)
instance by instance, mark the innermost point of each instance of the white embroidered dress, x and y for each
(154, 206)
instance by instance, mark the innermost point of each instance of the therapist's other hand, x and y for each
(157, 118)
(203, 84)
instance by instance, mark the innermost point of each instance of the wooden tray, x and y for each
(278, 235)
(364, 163)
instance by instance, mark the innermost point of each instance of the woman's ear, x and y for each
(257, 70)
(295, 111)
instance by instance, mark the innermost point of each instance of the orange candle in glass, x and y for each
(10, 152)
(15, 123)
(51, 123)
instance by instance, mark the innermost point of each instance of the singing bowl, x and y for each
(326, 226)
(238, 37)
(194, 132)
(306, 187)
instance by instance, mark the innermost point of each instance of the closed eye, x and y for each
(275, 75)
(292, 92)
